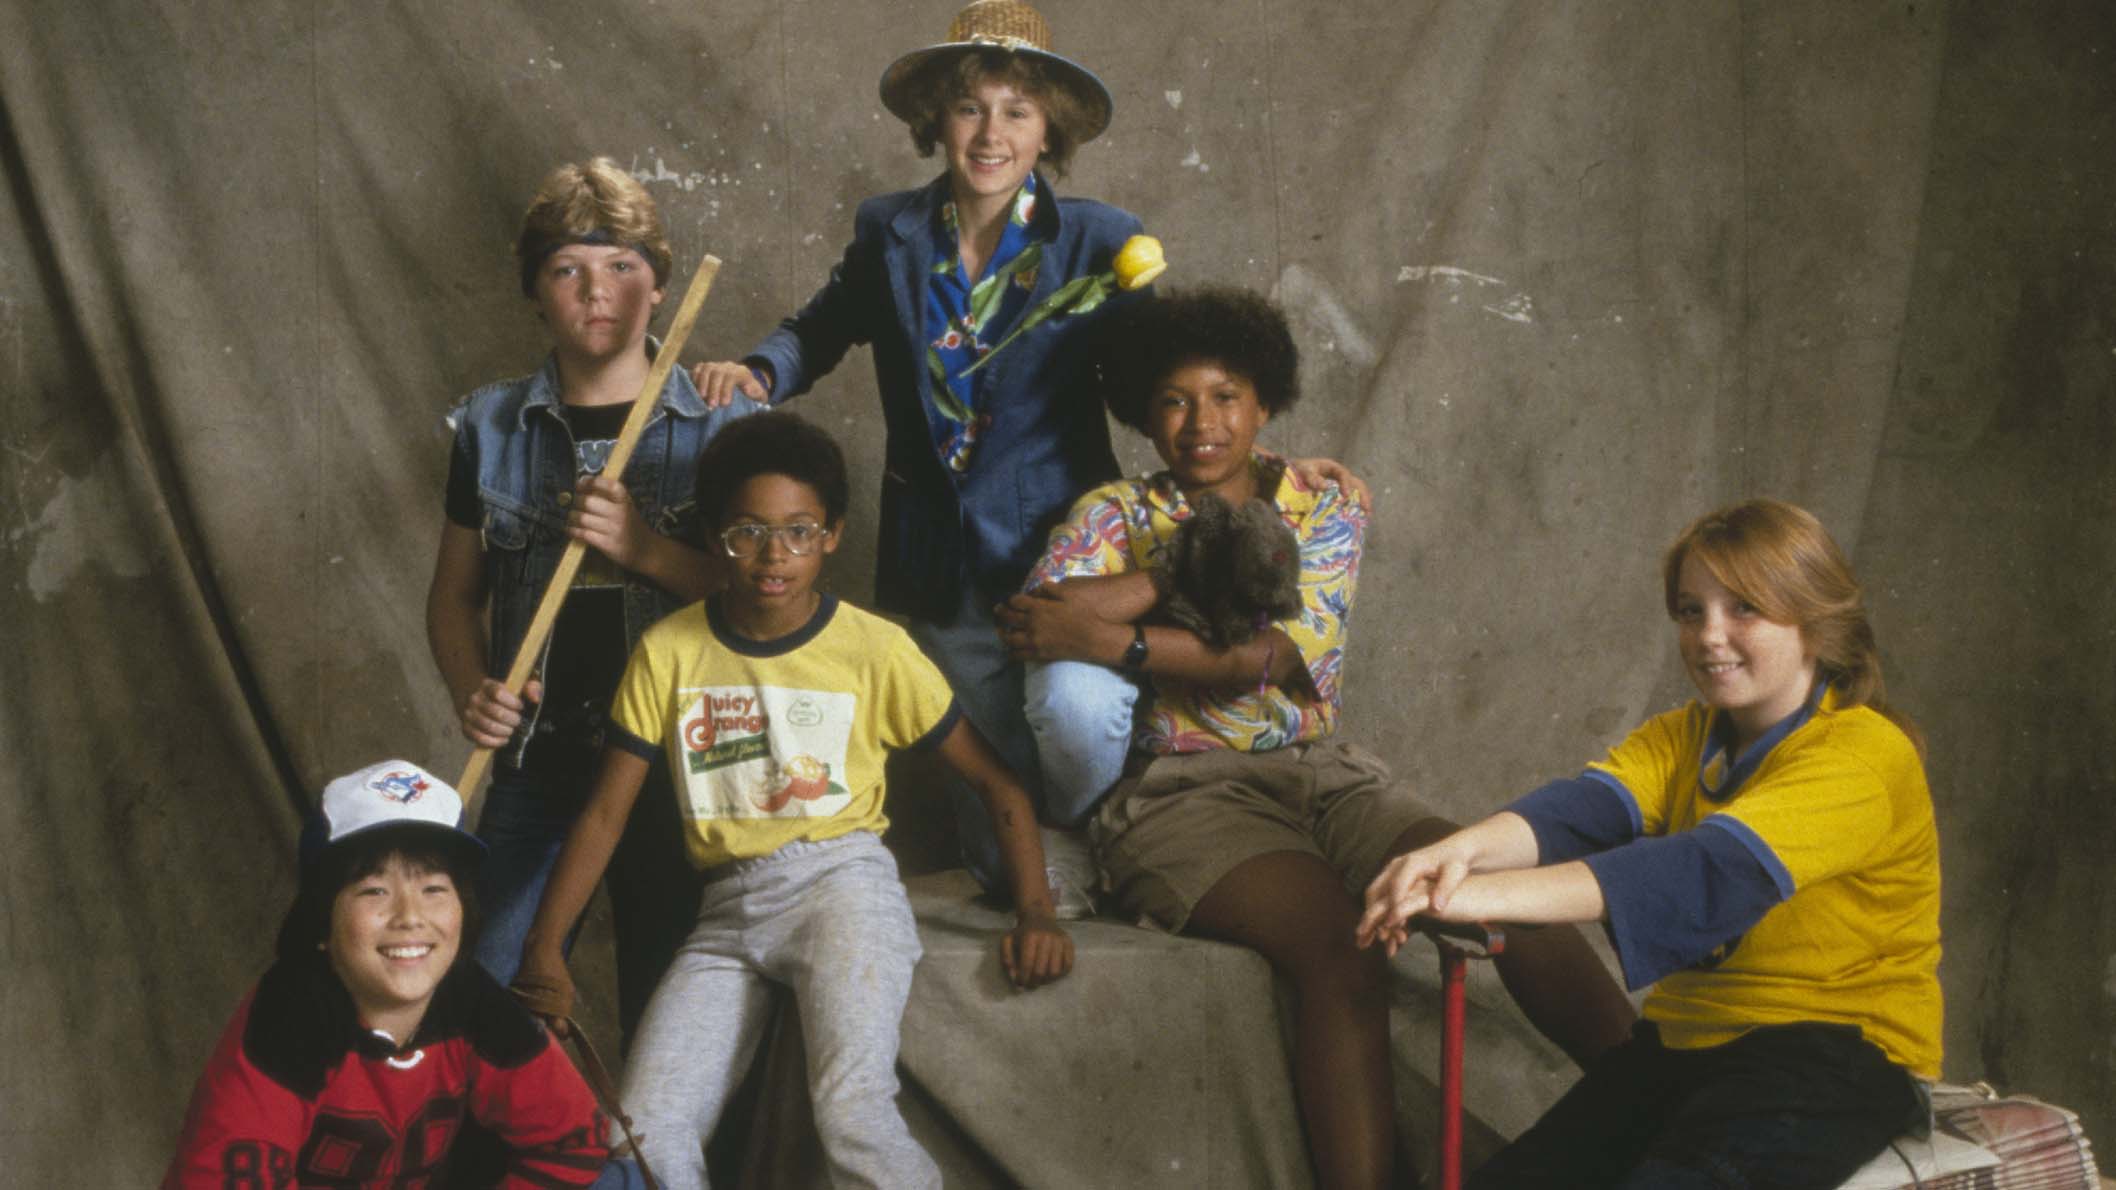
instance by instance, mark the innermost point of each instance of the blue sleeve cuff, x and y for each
(1677, 901)
(764, 372)
(781, 350)
(1760, 851)
(618, 737)
(940, 730)
(1575, 817)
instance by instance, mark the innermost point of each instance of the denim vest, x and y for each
(520, 448)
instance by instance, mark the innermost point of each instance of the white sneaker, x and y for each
(1069, 867)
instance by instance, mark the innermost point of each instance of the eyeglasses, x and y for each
(746, 541)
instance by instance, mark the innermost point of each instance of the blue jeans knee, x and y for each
(1081, 716)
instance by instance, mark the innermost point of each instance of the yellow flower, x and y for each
(1138, 262)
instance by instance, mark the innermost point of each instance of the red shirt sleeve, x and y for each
(547, 1116)
(242, 1128)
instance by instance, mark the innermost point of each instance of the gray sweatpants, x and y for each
(829, 921)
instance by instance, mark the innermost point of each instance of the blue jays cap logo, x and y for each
(398, 786)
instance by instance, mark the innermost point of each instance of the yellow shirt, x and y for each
(1839, 813)
(769, 742)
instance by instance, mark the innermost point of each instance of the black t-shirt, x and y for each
(588, 650)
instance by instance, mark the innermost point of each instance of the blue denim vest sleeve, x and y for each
(523, 455)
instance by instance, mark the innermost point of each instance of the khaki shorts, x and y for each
(1166, 836)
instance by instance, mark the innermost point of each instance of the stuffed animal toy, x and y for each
(1229, 572)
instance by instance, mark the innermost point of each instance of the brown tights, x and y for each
(1292, 907)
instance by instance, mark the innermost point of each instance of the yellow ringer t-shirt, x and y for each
(770, 742)
(1839, 814)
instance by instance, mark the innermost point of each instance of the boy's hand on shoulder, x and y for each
(604, 517)
(1316, 472)
(1036, 951)
(492, 712)
(720, 380)
(545, 988)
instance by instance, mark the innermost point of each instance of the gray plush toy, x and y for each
(1229, 572)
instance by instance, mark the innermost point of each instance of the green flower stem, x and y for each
(1077, 296)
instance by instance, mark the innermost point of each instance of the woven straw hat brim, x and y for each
(898, 81)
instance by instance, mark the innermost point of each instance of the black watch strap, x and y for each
(1135, 652)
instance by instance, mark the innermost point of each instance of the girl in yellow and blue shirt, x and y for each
(1765, 858)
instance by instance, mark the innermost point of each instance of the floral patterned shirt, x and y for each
(1127, 525)
(967, 320)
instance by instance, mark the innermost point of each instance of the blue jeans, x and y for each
(653, 888)
(620, 1174)
(1081, 716)
(1062, 728)
(523, 825)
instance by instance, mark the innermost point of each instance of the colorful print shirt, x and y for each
(967, 321)
(1127, 525)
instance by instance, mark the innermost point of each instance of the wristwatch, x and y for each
(1135, 652)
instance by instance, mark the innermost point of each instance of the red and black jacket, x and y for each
(297, 1094)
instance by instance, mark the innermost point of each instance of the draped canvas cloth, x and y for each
(1565, 275)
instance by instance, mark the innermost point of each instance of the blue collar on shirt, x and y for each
(1720, 738)
(724, 630)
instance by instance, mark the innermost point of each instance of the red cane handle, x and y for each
(1454, 970)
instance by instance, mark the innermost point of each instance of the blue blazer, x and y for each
(1048, 440)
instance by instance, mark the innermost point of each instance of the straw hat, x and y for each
(997, 24)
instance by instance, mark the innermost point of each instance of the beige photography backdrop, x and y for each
(1564, 274)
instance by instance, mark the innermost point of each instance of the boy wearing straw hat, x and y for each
(993, 408)
(525, 477)
(978, 463)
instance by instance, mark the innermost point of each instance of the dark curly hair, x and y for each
(774, 442)
(1241, 331)
(953, 79)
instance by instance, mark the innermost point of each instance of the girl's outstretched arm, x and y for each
(1427, 880)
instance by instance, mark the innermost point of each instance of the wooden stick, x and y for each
(620, 454)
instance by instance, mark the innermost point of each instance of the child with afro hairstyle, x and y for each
(1241, 813)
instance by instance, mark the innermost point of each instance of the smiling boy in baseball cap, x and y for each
(367, 1044)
